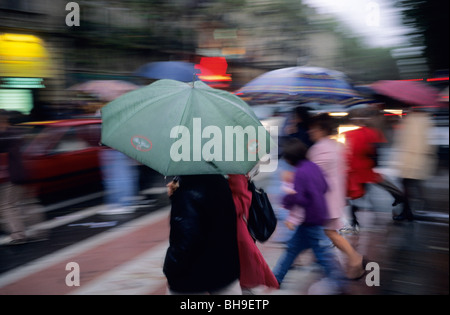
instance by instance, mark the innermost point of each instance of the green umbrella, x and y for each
(181, 128)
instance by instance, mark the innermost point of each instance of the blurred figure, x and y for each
(296, 213)
(310, 187)
(120, 180)
(329, 155)
(120, 176)
(254, 269)
(415, 158)
(295, 127)
(203, 255)
(18, 206)
(361, 153)
(298, 126)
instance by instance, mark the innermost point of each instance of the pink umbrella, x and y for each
(409, 92)
(105, 90)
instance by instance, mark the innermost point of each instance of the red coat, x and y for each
(361, 149)
(254, 269)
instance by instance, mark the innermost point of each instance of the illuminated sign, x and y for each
(214, 69)
(16, 100)
(23, 55)
(22, 83)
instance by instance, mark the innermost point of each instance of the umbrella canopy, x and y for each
(305, 84)
(105, 90)
(178, 128)
(411, 93)
(174, 70)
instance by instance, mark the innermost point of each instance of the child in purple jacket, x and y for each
(310, 187)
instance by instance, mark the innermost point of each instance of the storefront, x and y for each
(24, 64)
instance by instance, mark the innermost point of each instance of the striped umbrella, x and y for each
(302, 84)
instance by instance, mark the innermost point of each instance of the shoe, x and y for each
(397, 201)
(402, 217)
(362, 270)
(358, 272)
(354, 229)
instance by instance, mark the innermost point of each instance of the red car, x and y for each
(63, 155)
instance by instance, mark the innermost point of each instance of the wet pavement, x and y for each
(123, 254)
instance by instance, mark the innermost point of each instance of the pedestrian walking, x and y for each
(297, 126)
(310, 187)
(361, 157)
(19, 207)
(203, 255)
(415, 158)
(329, 155)
(120, 180)
(254, 270)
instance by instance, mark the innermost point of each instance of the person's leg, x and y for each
(107, 158)
(398, 195)
(126, 179)
(325, 255)
(295, 246)
(407, 214)
(10, 197)
(355, 259)
(34, 214)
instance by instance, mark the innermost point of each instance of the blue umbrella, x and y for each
(175, 70)
(303, 84)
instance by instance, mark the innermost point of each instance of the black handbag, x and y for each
(261, 221)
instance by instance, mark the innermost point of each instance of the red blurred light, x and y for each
(213, 69)
(412, 80)
(437, 79)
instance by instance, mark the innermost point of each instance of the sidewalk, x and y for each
(128, 260)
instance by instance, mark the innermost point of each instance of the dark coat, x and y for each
(11, 142)
(203, 253)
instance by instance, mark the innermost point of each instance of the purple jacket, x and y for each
(310, 185)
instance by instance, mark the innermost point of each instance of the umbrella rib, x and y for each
(180, 124)
(238, 106)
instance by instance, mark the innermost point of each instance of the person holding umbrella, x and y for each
(203, 255)
(197, 134)
(415, 157)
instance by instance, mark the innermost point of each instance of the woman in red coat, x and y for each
(254, 269)
(361, 146)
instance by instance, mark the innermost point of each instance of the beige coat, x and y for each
(415, 157)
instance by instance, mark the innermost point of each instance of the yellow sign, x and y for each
(23, 56)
